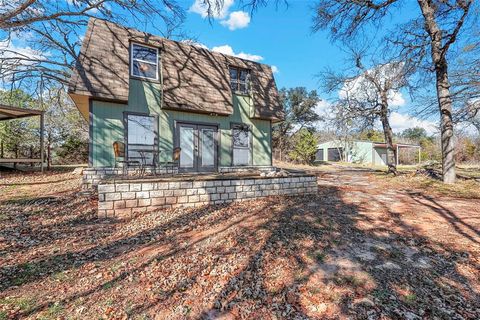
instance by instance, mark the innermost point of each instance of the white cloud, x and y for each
(11, 51)
(248, 56)
(395, 99)
(323, 108)
(219, 10)
(237, 20)
(226, 49)
(194, 43)
(275, 69)
(400, 122)
(14, 58)
(360, 88)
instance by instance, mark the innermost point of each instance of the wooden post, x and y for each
(396, 156)
(419, 155)
(42, 129)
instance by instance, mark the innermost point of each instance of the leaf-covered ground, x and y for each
(364, 247)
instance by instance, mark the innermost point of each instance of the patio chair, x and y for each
(175, 163)
(119, 153)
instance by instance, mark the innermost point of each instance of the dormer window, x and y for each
(144, 62)
(240, 80)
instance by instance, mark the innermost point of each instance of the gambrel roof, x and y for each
(193, 79)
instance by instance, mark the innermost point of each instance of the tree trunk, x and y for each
(388, 133)
(443, 90)
(446, 123)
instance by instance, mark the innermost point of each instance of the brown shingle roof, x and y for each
(194, 79)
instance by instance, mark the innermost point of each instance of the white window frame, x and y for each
(143, 61)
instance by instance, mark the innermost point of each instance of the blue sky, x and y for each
(282, 37)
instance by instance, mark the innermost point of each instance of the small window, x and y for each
(241, 145)
(240, 80)
(144, 62)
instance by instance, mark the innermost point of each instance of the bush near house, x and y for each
(305, 146)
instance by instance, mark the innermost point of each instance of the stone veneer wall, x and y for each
(93, 176)
(122, 198)
(247, 168)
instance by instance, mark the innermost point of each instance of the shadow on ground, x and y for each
(342, 253)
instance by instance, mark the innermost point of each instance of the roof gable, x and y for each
(194, 79)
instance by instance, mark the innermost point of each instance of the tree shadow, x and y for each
(450, 216)
(322, 256)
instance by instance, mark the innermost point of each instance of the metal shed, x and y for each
(358, 151)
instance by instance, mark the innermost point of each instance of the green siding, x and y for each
(145, 97)
(361, 152)
(377, 153)
(357, 151)
(107, 127)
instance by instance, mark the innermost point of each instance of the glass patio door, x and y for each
(187, 140)
(198, 145)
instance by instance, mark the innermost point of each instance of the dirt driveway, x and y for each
(359, 249)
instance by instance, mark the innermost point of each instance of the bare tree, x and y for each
(466, 84)
(39, 40)
(17, 14)
(50, 32)
(427, 39)
(365, 96)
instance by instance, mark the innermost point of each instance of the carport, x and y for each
(398, 147)
(10, 113)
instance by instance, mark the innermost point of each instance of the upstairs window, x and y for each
(144, 61)
(240, 80)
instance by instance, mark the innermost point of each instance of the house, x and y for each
(156, 94)
(357, 151)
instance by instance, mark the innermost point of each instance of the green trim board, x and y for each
(107, 125)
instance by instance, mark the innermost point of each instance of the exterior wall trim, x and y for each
(90, 133)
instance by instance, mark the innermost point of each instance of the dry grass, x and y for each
(363, 247)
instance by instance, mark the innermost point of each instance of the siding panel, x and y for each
(145, 97)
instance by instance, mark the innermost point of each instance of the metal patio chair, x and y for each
(170, 166)
(119, 153)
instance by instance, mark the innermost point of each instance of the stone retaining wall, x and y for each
(93, 176)
(246, 169)
(121, 199)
